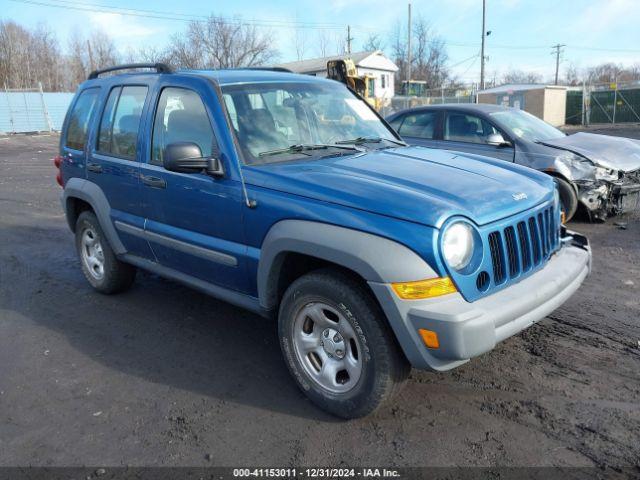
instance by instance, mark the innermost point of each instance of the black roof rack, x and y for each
(272, 69)
(159, 67)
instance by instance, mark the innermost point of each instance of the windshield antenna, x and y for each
(250, 203)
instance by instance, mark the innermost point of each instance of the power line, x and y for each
(163, 15)
(184, 17)
(542, 47)
(474, 56)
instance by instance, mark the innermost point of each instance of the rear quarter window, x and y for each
(79, 117)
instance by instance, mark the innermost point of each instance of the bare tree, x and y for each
(373, 42)
(399, 53)
(300, 43)
(518, 76)
(323, 40)
(220, 43)
(429, 56)
(571, 76)
(29, 57)
(612, 72)
(88, 54)
(15, 65)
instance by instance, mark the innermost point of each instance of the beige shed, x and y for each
(547, 102)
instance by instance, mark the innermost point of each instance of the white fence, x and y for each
(31, 110)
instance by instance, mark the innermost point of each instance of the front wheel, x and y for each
(337, 344)
(568, 198)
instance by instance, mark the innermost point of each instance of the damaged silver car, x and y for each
(599, 172)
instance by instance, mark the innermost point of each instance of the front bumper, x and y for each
(466, 330)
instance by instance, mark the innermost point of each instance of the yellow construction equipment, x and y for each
(344, 71)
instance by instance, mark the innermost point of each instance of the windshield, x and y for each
(273, 120)
(524, 125)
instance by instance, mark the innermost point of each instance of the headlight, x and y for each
(457, 245)
(606, 174)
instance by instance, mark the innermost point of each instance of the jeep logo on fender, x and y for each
(519, 196)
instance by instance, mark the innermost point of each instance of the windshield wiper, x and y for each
(361, 140)
(303, 148)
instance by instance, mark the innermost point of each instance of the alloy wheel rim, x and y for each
(327, 347)
(92, 253)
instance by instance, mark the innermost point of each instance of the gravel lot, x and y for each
(163, 375)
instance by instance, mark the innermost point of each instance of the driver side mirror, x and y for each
(186, 157)
(497, 140)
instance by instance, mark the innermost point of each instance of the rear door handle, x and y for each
(154, 182)
(94, 167)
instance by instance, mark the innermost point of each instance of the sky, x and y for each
(522, 31)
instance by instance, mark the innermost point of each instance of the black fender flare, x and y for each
(91, 193)
(374, 258)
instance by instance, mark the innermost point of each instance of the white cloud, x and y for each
(119, 26)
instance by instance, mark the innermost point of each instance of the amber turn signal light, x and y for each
(432, 287)
(429, 337)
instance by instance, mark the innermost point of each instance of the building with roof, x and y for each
(548, 102)
(373, 63)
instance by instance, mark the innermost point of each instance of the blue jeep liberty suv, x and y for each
(289, 196)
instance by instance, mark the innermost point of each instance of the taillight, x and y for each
(57, 161)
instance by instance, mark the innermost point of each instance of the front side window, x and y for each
(79, 119)
(462, 127)
(118, 134)
(419, 125)
(273, 116)
(524, 125)
(181, 117)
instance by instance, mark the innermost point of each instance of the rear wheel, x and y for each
(568, 198)
(99, 263)
(337, 344)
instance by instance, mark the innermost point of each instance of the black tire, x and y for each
(383, 368)
(116, 276)
(568, 198)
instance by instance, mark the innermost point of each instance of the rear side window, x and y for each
(121, 120)
(79, 119)
(420, 125)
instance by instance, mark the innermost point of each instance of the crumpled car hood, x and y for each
(606, 151)
(417, 184)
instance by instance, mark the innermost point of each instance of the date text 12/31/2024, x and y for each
(315, 472)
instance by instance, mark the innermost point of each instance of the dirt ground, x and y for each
(163, 375)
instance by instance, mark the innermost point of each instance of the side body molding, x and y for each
(94, 196)
(374, 258)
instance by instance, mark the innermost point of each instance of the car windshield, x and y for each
(524, 125)
(276, 122)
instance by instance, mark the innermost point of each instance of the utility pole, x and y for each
(349, 39)
(409, 50)
(484, 34)
(558, 51)
(91, 65)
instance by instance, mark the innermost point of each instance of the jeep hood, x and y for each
(416, 184)
(616, 153)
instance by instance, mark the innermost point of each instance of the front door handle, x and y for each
(154, 182)
(94, 167)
